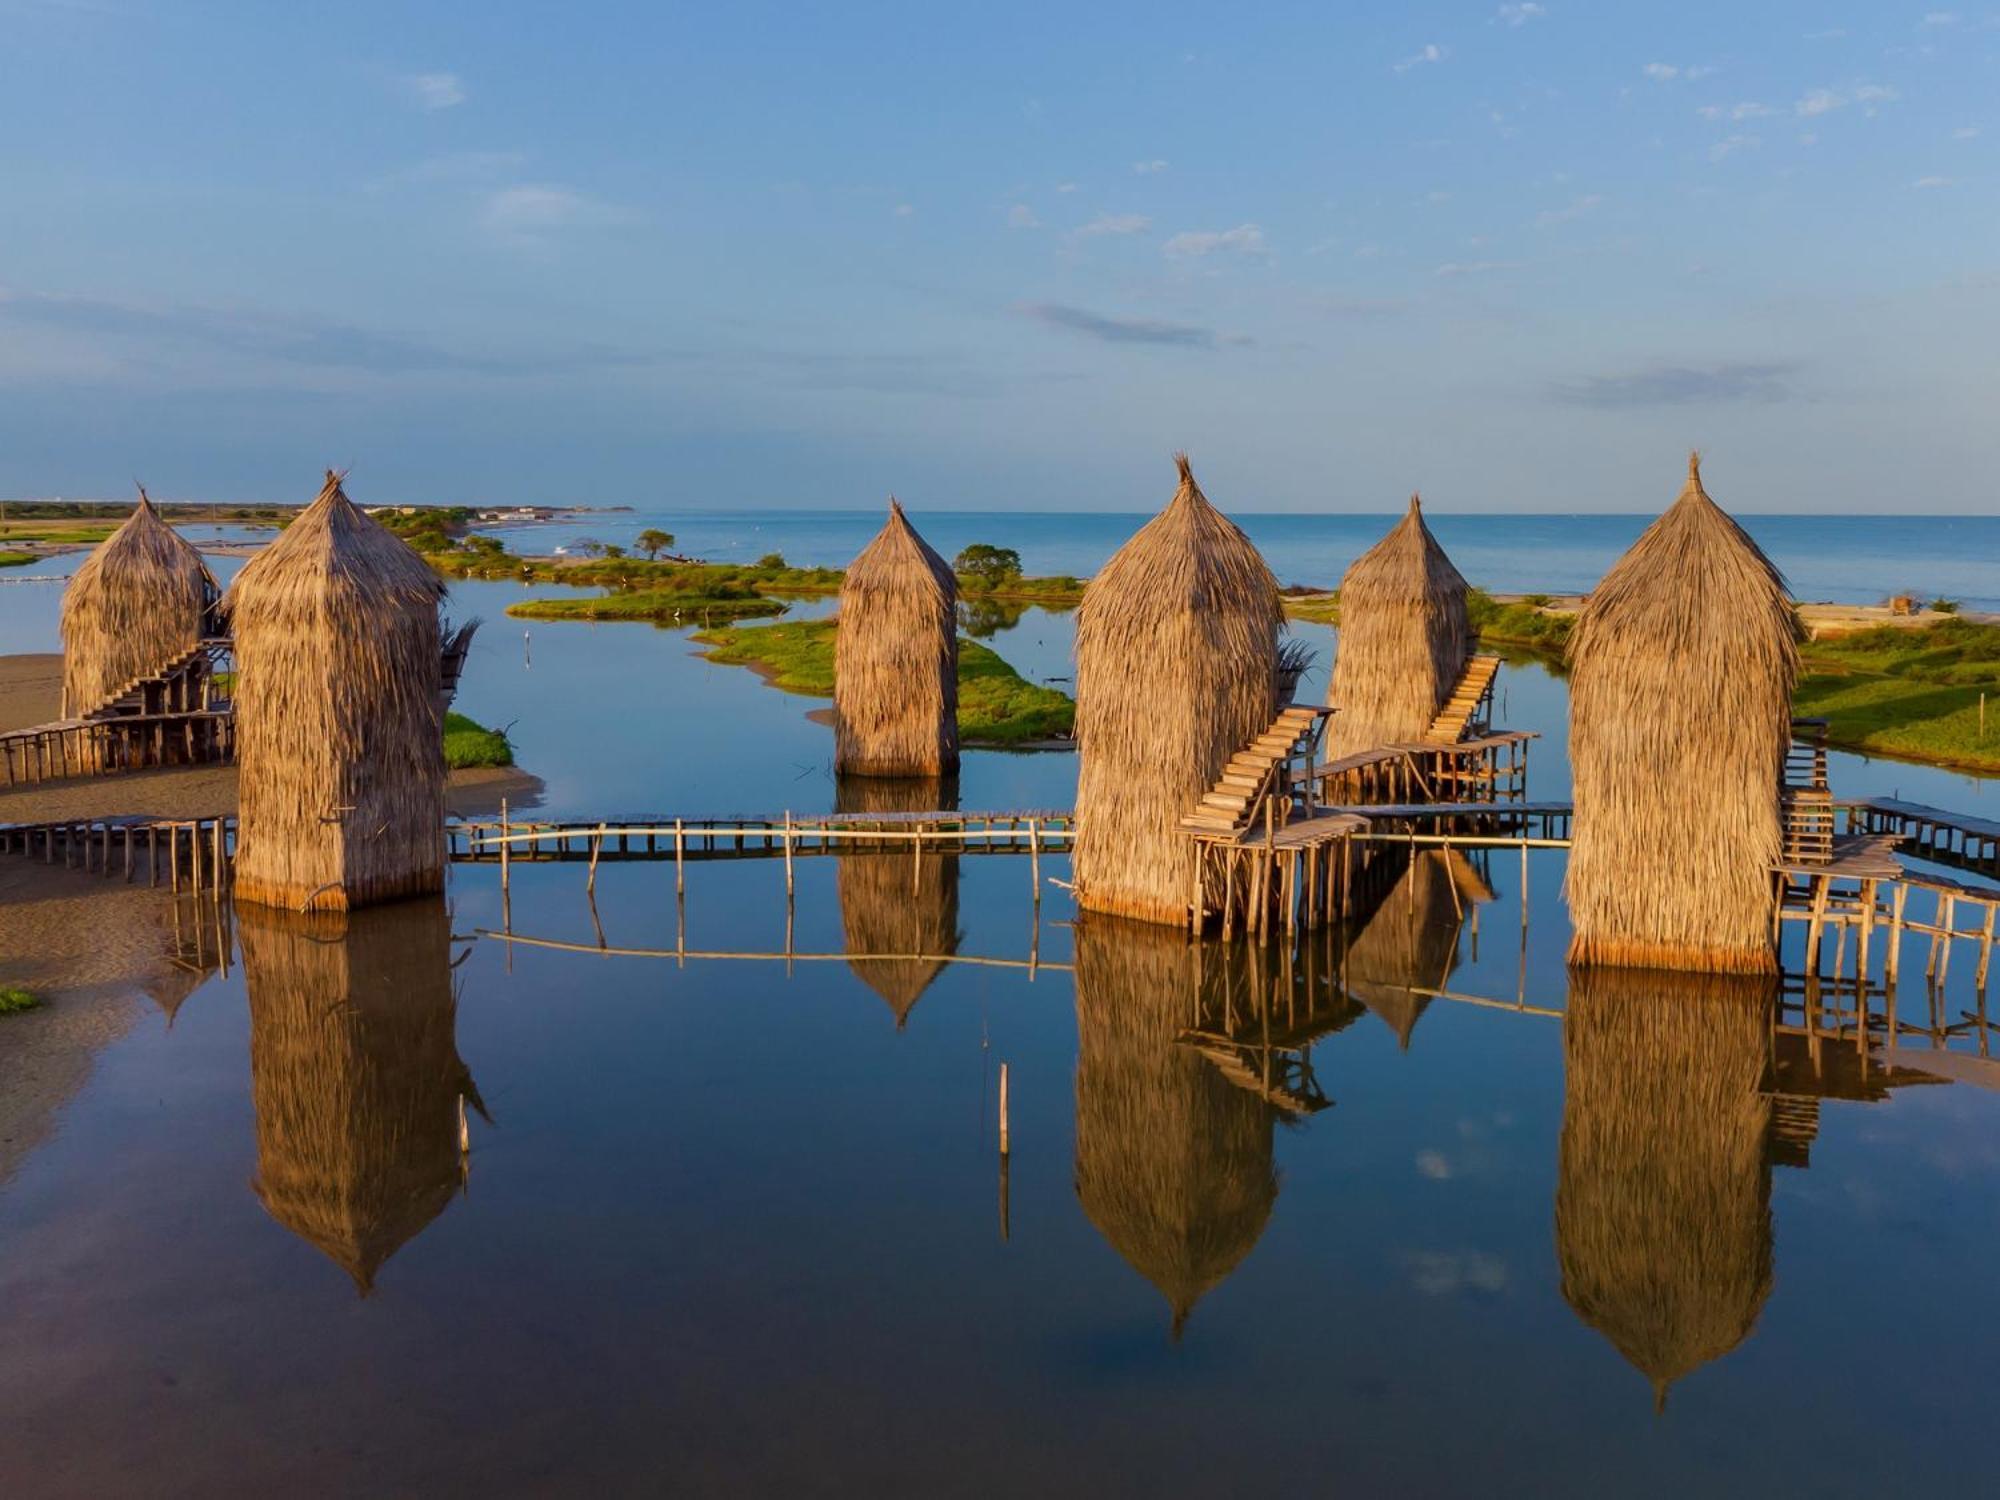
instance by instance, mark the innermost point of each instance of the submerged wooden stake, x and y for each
(1003, 1112)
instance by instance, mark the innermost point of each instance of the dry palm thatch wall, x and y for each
(138, 602)
(895, 659)
(1173, 1162)
(339, 728)
(1681, 673)
(1176, 669)
(892, 903)
(355, 1075)
(1663, 1184)
(1404, 639)
(1410, 941)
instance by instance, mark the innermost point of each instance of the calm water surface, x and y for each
(734, 1226)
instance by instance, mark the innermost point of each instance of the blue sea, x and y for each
(1839, 559)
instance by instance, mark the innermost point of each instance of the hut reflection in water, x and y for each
(355, 1075)
(891, 901)
(1663, 1180)
(1173, 1160)
(1407, 945)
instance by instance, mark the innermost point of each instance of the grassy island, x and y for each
(997, 706)
(468, 745)
(661, 606)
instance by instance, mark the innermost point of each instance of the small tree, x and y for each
(986, 566)
(614, 552)
(653, 542)
(775, 561)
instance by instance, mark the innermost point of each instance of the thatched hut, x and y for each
(1404, 639)
(1409, 943)
(895, 659)
(141, 600)
(890, 903)
(355, 1076)
(1173, 1162)
(1176, 670)
(1681, 673)
(339, 722)
(1663, 1182)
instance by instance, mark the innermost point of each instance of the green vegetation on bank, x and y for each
(15, 559)
(724, 601)
(468, 745)
(14, 999)
(996, 704)
(1911, 692)
(1525, 622)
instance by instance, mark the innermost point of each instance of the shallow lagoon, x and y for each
(730, 1227)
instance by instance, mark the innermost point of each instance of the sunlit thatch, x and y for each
(1409, 943)
(139, 601)
(339, 725)
(355, 1075)
(891, 902)
(1663, 1186)
(895, 659)
(1404, 639)
(1681, 673)
(1176, 670)
(1173, 1162)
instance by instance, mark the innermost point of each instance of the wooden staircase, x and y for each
(1805, 800)
(183, 685)
(1470, 703)
(1257, 772)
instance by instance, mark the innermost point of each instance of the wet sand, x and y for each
(204, 791)
(30, 689)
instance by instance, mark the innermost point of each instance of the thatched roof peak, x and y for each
(332, 546)
(899, 557)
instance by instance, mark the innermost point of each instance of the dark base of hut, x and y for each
(1136, 908)
(291, 896)
(903, 769)
(1614, 953)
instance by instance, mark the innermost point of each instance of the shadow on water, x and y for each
(900, 910)
(355, 1076)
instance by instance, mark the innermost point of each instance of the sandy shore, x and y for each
(204, 791)
(30, 689)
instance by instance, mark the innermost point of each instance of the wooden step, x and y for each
(1226, 801)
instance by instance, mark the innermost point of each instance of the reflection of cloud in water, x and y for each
(1437, 1273)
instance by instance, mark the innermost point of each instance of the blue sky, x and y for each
(1520, 256)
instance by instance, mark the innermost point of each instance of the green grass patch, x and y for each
(14, 999)
(661, 606)
(15, 559)
(1908, 717)
(468, 745)
(996, 704)
(1951, 651)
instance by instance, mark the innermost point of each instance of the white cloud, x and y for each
(1114, 224)
(1066, 187)
(1474, 267)
(1148, 168)
(1819, 102)
(1522, 14)
(1244, 239)
(1661, 72)
(1434, 1165)
(905, 210)
(1931, 182)
(1724, 149)
(1748, 110)
(1575, 209)
(1437, 1273)
(1941, 18)
(1826, 101)
(529, 210)
(1020, 216)
(1966, 133)
(1430, 52)
(433, 90)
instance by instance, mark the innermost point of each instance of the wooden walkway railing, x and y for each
(98, 747)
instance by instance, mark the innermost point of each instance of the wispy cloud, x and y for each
(1067, 187)
(1932, 182)
(1430, 52)
(1576, 208)
(1728, 146)
(1454, 268)
(1732, 381)
(1244, 239)
(453, 168)
(1520, 15)
(1825, 101)
(433, 90)
(1148, 168)
(1941, 18)
(1438, 1273)
(1111, 329)
(1966, 133)
(1661, 72)
(1020, 216)
(530, 212)
(1748, 110)
(905, 210)
(1113, 224)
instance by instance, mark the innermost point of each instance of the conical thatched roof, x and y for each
(339, 720)
(138, 602)
(891, 903)
(1176, 668)
(1173, 1162)
(1404, 639)
(895, 659)
(1663, 1186)
(355, 1075)
(1682, 667)
(1410, 941)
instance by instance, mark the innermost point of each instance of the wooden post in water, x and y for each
(596, 844)
(505, 848)
(680, 849)
(1035, 861)
(1004, 1142)
(788, 875)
